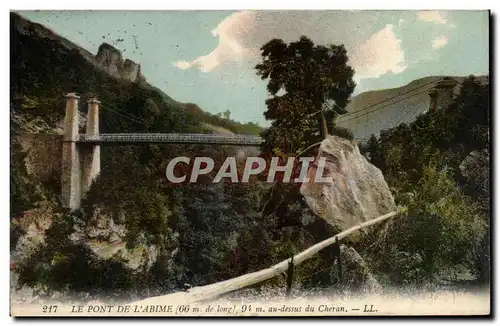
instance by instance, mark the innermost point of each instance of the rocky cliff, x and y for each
(101, 234)
(40, 151)
(108, 58)
(358, 192)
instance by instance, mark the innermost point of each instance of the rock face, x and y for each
(475, 170)
(110, 60)
(358, 192)
(40, 151)
(107, 239)
(356, 272)
(33, 223)
(104, 237)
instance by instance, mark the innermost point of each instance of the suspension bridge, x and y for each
(81, 158)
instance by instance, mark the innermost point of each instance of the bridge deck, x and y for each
(240, 140)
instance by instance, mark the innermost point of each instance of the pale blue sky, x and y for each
(206, 57)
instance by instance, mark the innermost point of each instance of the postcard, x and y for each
(330, 163)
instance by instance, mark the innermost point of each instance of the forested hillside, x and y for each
(137, 236)
(439, 167)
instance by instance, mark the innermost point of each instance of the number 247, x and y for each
(51, 308)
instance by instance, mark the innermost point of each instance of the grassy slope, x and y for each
(372, 117)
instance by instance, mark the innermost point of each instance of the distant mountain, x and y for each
(45, 66)
(372, 111)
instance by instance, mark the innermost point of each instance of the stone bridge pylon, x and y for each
(81, 162)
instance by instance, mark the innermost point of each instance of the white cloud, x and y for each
(380, 54)
(230, 32)
(432, 16)
(182, 65)
(372, 53)
(439, 42)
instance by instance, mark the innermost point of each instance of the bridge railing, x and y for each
(212, 291)
(173, 138)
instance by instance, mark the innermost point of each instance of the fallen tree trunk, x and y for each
(215, 290)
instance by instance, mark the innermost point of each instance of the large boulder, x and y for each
(356, 274)
(358, 192)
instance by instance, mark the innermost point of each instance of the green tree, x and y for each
(309, 85)
(447, 227)
(438, 236)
